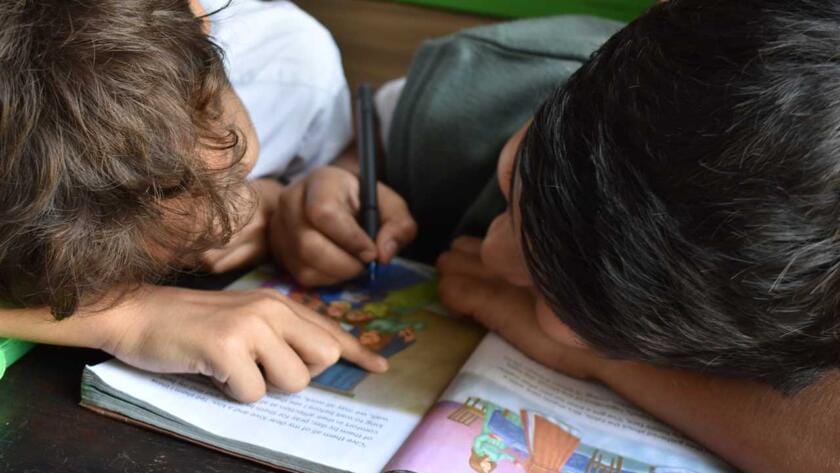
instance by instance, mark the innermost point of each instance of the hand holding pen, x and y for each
(318, 231)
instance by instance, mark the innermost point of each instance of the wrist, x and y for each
(612, 372)
(114, 319)
(268, 194)
(94, 326)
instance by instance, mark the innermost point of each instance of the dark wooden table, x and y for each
(43, 428)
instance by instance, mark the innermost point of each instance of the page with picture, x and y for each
(505, 413)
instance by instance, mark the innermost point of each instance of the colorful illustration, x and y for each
(502, 436)
(532, 441)
(379, 313)
(399, 315)
(479, 436)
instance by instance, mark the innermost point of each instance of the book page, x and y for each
(505, 413)
(315, 425)
(349, 420)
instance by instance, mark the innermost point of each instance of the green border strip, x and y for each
(622, 10)
(10, 351)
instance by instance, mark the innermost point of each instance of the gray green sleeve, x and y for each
(465, 95)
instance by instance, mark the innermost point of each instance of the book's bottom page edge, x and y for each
(147, 425)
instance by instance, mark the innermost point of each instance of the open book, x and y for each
(501, 411)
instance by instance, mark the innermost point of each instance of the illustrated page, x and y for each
(505, 413)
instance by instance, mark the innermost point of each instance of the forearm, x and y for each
(89, 329)
(749, 424)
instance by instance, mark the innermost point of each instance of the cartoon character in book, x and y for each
(337, 310)
(407, 335)
(387, 336)
(373, 312)
(373, 340)
(532, 441)
(358, 317)
(502, 438)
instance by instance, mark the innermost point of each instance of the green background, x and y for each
(624, 10)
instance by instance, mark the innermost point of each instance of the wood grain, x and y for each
(378, 38)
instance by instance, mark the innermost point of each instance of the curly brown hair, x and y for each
(108, 110)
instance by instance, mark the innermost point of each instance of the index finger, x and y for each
(351, 349)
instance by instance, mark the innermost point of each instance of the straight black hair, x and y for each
(680, 194)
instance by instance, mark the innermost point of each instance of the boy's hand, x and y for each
(242, 340)
(249, 245)
(314, 233)
(466, 286)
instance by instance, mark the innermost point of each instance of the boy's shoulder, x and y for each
(565, 36)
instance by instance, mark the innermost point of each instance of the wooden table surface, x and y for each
(44, 430)
(378, 38)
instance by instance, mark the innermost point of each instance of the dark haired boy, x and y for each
(672, 226)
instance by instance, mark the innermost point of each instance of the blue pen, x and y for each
(366, 142)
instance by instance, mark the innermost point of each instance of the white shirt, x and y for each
(287, 70)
